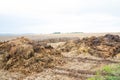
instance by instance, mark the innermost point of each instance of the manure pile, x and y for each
(27, 56)
(102, 46)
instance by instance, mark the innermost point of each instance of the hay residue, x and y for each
(102, 46)
(27, 56)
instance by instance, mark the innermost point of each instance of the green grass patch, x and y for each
(107, 69)
(110, 69)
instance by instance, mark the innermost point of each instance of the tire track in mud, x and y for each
(90, 60)
(85, 72)
(81, 73)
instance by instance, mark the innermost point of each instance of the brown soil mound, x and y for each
(27, 56)
(69, 46)
(103, 46)
(1, 42)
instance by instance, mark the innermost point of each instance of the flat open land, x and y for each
(78, 60)
(47, 36)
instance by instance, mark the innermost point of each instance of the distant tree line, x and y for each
(57, 33)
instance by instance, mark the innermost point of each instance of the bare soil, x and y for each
(72, 66)
(77, 67)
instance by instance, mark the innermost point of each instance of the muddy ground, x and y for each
(72, 66)
(77, 67)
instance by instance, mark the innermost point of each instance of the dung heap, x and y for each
(27, 56)
(102, 46)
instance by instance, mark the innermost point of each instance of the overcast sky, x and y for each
(47, 16)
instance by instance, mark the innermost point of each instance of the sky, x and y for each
(48, 16)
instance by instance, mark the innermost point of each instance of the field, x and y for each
(77, 56)
(47, 36)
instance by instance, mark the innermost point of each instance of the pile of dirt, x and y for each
(69, 46)
(102, 46)
(1, 42)
(27, 56)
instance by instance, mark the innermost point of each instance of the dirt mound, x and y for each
(1, 43)
(27, 56)
(102, 46)
(69, 46)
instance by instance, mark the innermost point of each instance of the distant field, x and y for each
(47, 36)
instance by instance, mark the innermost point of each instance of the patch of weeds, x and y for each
(112, 78)
(107, 69)
(95, 78)
(110, 69)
